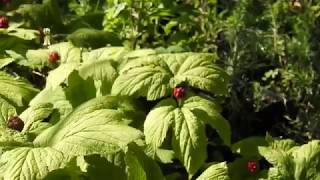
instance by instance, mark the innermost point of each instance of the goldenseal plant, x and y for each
(159, 90)
(89, 106)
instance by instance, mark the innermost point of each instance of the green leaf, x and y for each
(5, 61)
(282, 144)
(209, 112)
(188, 123)
(103, 54)
(292, 162)
(34, 115)
(40, 58)
(10, 138)
(14, 30)
(14, 43)
(217, 171)
(249, 147)
(100, 168)
(16, 91)
(139, 53)
(68, 53)
(140, 166)
(283, 164)
(144, 77)
(6, 111)
(154, 76)
(27, 163)
(42, 15)
(56, 97)
(272, 155)
(101, 65)
(79, 90)
(89, 37)
(97, 126)
(307, 161)
(60, 75)
(189, 141)
(27, 34)
(158, 122)
(165, 156)
(134, 168)
(37, 58)
(13, 57)
(199, 71)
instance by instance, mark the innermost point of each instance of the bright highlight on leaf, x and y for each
(216, 171)
(188, 124)
(26, 163)
(97, 126)
(155, 76)
(15, 91)
(293, 163)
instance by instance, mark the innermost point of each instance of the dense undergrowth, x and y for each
(161, 89)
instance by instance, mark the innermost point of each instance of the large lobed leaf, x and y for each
(33, 116)
(15, 30)
(154, 76)
(188, 123)
(56, 97)
(40, 58)
(139, 166)
(89, 37)
(101, 65)
(7, 110)
(27, 163)
(97, 126)
(217, 171)
(10, 138)
(293, 163)
(16, 91)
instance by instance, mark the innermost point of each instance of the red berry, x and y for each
(54, 56)
(252, 166)
(179, 92)
(4, 22)
(15, 123)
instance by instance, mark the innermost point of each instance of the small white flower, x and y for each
(46, 39)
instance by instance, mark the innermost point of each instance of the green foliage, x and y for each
(249, 147)
(293, 163)
(16, 92)
(30, 163)
(93, 38)
(216, 171)
(155, 76)
(106, 109)
(187, 122)
(42, 15)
